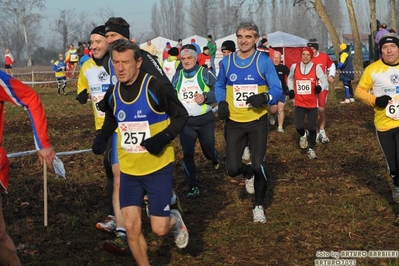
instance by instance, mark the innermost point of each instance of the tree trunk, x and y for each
(373, 29)
(321, 12)
(358, 57)
(393, 14)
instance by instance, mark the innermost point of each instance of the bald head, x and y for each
(276, 58)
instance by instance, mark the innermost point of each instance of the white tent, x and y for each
(201, 41)
(160, 44)
(283, 39)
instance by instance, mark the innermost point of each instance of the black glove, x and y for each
(291, 94)
(258, 100)
(82, 97)
(99, 144)
(382, 101)
(317, 89)
(223, 110)
(101, 105)
(155, 144)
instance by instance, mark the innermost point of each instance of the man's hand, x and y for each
(99, 144)
(199, 98)
(291, 94)
(331, 79)
(155, 144)
(48, 155)
(258, 100)
(382, 101)
(223, 110)
(82, 96)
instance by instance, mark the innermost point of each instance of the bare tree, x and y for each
(20, 24)
(358, 58)
(393, 14)
(84, 27)
(66, 26)
(202, 15)
(168, 20)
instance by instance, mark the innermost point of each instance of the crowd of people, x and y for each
(140, 106)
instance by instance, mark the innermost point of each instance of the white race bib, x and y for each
(132, 134)
(241, 92)
(303, 87)
(187, 94)
(392, 109)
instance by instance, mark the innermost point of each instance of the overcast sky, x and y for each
(136, 11)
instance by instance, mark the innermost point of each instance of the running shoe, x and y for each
(303, 140)
(249, 183)
(323, 137)
(272, 120)
(259, 214)
(119, 245)
(280, 130)
(246, 155)
(180, 231)
(346, 101)
(193, 193)
(312, 154)
(108, 225)
(352, 100)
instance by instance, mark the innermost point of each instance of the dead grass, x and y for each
(341, 201)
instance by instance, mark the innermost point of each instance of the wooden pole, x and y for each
(45, 193)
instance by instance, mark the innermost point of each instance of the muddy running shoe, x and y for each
(176, 205)
(395, 194)
(246, 155)
(108, 225)
(280, 130)
(193, 193)
(272, 120)
(351, 100)
(312, 154)
(180, 231)
(323, 137)
(303, 140)
(119, 245)
(249, 183)
(346, 101)
(259, 214)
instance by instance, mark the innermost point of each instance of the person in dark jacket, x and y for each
(346, 75)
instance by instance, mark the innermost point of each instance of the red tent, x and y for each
(289, 45)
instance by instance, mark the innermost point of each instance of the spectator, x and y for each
(59, 68)
(346, 74)
(150, 48)
(204, 59)
(8, 61)
(165, 53)
(14, 91)
(212, 52)
(382, 30)
(197, 47)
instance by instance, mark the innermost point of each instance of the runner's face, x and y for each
(276, 59)
(113, 36)
(246, 40)
(314, 50)
(99, 45)
(226, 52)
(126, 67)
(390, 53)
(188, 61)
(306, 57)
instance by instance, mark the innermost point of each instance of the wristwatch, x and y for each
(205, 97)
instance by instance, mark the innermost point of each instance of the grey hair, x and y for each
(123, 45)
(248, 25)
